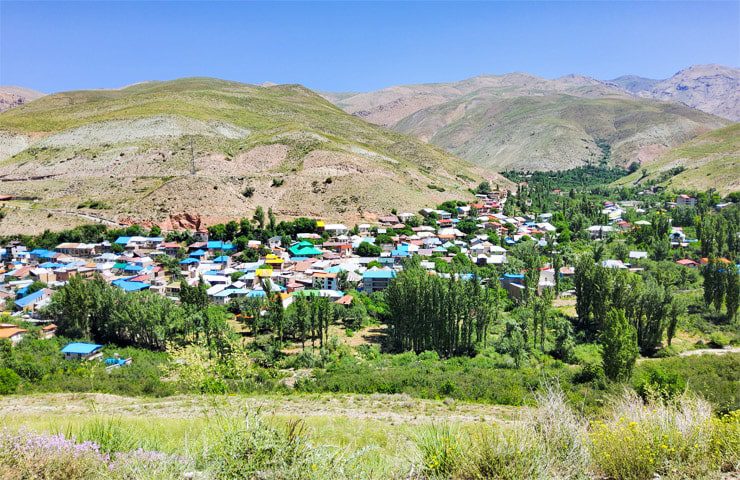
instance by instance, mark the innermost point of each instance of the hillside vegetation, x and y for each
(130, 152)
(709, 161)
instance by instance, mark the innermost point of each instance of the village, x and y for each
(324, 263)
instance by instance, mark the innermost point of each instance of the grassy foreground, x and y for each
(73, 436)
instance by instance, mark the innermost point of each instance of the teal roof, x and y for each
(304, 249)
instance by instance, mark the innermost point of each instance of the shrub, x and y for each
(248, 192)
(661, 385)
(440, 451)
(9, 381)
(252, 448)
(641, 440)
(278, 182)
(719, 340)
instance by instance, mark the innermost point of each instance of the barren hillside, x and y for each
(128, 155)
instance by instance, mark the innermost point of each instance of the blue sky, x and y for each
(354, 46)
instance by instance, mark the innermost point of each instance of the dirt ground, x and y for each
(394, 409)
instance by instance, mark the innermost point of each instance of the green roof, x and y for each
(304, 249)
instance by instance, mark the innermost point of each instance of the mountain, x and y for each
(713, 89)
(711, 160)
(14, 96)
(125, 155)
(633, 83)
(519, 121)
(710, 88)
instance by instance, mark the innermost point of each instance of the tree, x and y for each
(271, 219)
(259, 217)
(540, 317)
(619, 343)
(484, 188)
(428, 312)
(732, 291)
(367, 249)
(514, 343)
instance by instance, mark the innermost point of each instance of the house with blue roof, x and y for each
(82, 351)
(130, 286)
(122, 241)
(199, 254)
(223, 259)
(513, 283)
(189, 261)
(214, 245)
(30, 302)
(375, 280)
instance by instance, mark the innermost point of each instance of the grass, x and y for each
(630, 440)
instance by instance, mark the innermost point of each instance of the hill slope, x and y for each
(525, 122)
(711, 160)
(15, 96)
(125, 155)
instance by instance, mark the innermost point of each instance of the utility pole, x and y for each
(192, 158)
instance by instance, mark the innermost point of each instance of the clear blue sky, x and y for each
(54, 46)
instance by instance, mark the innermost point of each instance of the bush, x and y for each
(9, 381)
(440, 451)
(641, 440)
(719, 340)
(661, 385)
(252, 448)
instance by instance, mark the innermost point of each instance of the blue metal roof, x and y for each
(221, 259)
(198, 253)
(29, 299)
(388, 274)
(128, 286)
(122, 240)
(81, 348)
(513, 275)
(219, 245)
(188, 261)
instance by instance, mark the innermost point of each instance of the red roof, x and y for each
(345, 300)
(686, 262)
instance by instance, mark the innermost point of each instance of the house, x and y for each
(613, 264)
(336, 229)
(12, 333)
(325, 280)
(600, 231)
(48, 331)
(84, 250)
(170, 248)
(304, 249)
(687, 262)
(677, 236)
(513, 283)
(31, 302)
(82, 351)
(376, 280)
(684, 200)
(637, 255)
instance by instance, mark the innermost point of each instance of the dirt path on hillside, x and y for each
(710, 351)
(394, 409)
